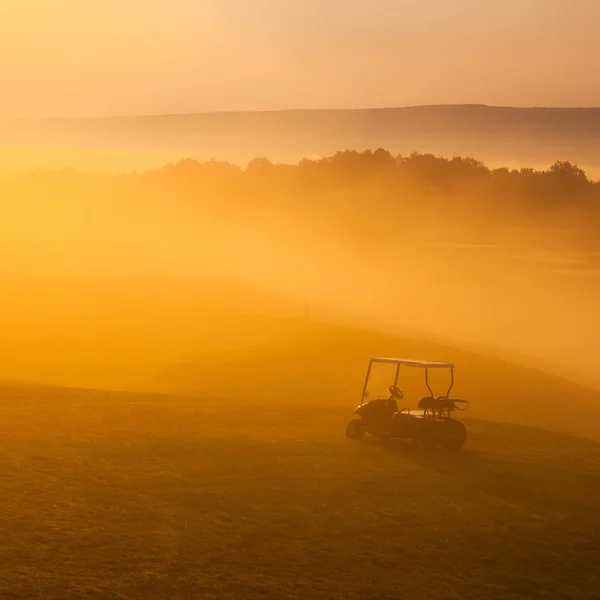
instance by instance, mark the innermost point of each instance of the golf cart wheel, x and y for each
(457, 436)
(427, 442)
(424, 437)
(355, 429)
(455, 442)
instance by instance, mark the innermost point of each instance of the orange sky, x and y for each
(82, 58)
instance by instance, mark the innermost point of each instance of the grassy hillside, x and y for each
(327, 364)
(117, 332)
(221, 339)
(111, 495)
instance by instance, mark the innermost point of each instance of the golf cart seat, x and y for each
(425, 402)
(387, 406)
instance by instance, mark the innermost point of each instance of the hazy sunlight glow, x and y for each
(70, 58)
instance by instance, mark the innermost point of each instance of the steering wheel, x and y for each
(396, 392)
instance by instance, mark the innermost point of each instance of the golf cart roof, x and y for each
(414, 363)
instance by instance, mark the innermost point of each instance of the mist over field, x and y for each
(299, 300)
(504, 260)
(183, 347)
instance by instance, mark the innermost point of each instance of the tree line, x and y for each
(350, 191)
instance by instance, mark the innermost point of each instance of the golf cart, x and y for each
(431, 424)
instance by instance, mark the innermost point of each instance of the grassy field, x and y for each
(114, 495)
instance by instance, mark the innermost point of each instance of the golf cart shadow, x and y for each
(434, 458)
(512, 463)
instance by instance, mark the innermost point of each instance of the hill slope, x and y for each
(224, 339)
(326, 364)
(115, 332)
(125, 496)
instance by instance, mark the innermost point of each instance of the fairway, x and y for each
(300, 300)
(114, 495)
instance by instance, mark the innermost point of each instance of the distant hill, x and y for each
(495, 134)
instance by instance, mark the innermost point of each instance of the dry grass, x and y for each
(123, 496)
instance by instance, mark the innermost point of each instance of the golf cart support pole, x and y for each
(410, 363)
(451, 382)
(366, 383)
(427, 381)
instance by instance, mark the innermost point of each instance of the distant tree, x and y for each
(568, 172)
(258, 164)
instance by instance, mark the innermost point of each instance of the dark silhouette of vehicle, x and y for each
(431, 424)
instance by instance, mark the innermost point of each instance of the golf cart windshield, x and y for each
(421, 364)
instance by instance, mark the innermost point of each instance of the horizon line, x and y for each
(297, 110)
